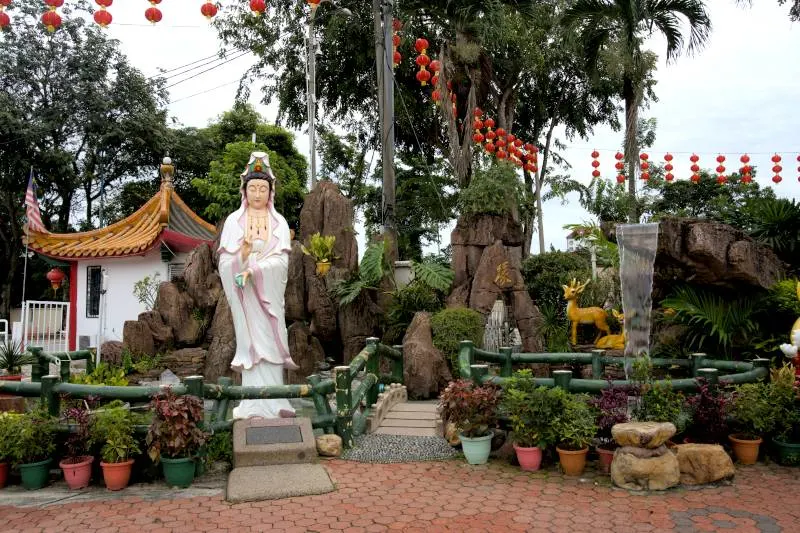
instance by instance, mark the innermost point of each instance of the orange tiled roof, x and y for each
(131, 236)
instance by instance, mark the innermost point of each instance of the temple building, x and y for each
(154, 240)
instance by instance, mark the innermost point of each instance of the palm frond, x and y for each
(434, 275)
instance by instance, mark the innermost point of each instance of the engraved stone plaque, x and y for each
(273, 435)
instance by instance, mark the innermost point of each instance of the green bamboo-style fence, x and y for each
(700, 365)
(51, 388)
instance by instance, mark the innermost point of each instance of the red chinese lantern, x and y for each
(208, 10)
(500, 142)
(55, 277)
(695, 168)
(51, 19)
(501, 154)
(746, 169)
(258, 6)
(798, 168)
(668, 167)
(5, 20)
(435, 66)
(776, 169)
(397, 25)
(101, 16)
(314, 3)
(721, 179)
(490, 147)
(501, 132)
(153, 14)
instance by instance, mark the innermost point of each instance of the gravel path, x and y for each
(399, 449)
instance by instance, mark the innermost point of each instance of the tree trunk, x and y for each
(631, 149)
(540, 183)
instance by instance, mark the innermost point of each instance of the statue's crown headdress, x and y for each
(258, 168)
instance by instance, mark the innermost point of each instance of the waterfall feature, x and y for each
(637, 253)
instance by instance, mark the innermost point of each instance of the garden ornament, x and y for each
(253, 264)
(614, 342)
(583, 315)
(791, 350)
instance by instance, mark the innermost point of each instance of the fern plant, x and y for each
(714, 324)
(374, 266)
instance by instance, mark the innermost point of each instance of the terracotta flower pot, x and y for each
(606, 456)
(3, 474)
(746, 450)
(530, 458)
(572, 461)
(77, 471)
(117, 475)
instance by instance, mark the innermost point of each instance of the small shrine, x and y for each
(109, 261)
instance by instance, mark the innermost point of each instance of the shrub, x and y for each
(494, 191)
(219, 447)
(612, 408)
(532, 410)
(453, 325)
(9, 430)
(113, 430)
(472, 408)
(414, 297)
(78, 442)
(103, 374)
(659, 402)
(175, 430)
(35, 439)
(709, 408)
(545, 274)
(146, 290)
(575, 427)
(753, 411)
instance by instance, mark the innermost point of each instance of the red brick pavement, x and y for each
(447, 496)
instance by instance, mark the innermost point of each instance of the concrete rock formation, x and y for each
(329, 445)
(704, 463)
(649, 435)
(652, 473)
(425, 370)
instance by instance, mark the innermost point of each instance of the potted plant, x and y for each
(575, 428)
(709, 408)
(113, 429)
(8, 434)
(33, 448)
(12, 358)
(175, 435)
(754, 416)
(321, 249)
(473, 410)
(786, 442)
(77, 465)
(531, 411)
(612, 408)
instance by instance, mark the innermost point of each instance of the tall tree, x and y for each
(625, 24)
(72, 107)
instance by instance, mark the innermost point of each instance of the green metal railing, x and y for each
(699, 365)
(50, 388)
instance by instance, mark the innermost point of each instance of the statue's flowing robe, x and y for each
(262, 350)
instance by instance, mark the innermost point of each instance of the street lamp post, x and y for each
(311, 82)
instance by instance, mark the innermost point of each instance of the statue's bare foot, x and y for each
(285, 413)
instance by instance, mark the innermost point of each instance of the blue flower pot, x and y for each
(476, 450)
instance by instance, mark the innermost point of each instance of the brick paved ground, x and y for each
(448, 496)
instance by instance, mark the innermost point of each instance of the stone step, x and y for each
(410, 415)
(409, 432)
(271, 482)
(416, 407)
(393, 422)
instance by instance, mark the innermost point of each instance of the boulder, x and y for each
(645, 453)
(451, 435)
(295, 294)
(326, 211)
(357, 321)
(425, 369)
(459, 297)
(186, 361)
(178, 311)
(306, 351)
(494, 275)
(201, 279)
(643, 434)
(321, 308)
(529, 321)
(111, 352)
(222, 347)
(712, 253)
(654, 473)
(484, 230)
(703, 463)
(162, 334)
(137, 338)
(329, 445)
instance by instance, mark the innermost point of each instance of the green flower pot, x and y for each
(178, 472)
(476, 450)
(35, 475)
(787, 453)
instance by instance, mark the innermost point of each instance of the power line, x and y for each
(204, 71)
(220, 60)
(204, 92)
(161, 74)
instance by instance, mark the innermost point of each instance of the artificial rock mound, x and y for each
(487, 260)
(643, 462)
(425, 370)
(704, 463)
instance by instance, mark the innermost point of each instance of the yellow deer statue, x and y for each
(583, 315)
(614, 342)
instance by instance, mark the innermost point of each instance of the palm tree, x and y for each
(626, 24)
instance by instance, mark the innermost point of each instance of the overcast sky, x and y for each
(739, 94)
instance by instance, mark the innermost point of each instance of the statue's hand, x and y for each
(241, 278)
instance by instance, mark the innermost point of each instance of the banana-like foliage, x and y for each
(434, 275)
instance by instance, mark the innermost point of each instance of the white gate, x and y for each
(46, 324)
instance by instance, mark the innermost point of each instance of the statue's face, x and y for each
(257, 193)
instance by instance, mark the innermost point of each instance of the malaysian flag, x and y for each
(32, 208)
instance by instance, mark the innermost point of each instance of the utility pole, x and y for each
(311, 91)
(387, 120)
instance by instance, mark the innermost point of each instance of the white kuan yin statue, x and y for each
(253, 264)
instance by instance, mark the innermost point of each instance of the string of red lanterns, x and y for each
(421, 45)
(595, 164)
(152, 13)
(5, 20)
(504, 145)
(397, 58)
(777, 169)
(746, 169)
(695, 168)
(51, 19)
(645, 166)
(102, 17)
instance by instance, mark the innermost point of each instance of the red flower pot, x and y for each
(530, 459)
(3, 474)
(77, 471)
(117, 475)
(606, 456)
